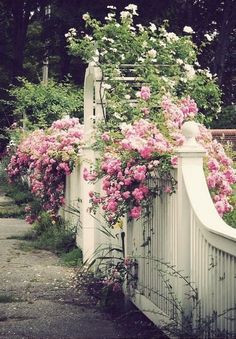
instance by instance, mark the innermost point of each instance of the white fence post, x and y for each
(190, 152)
(87, 237)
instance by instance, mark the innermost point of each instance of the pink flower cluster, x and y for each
(46, 157)
(140, 151)
(126, 171)
(144, 137)
(220, 173)
(176, 113)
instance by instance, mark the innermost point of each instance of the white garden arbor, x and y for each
(184, 236)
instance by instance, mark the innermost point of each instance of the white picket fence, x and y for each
(183, 237)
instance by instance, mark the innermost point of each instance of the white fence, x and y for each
(183, 237)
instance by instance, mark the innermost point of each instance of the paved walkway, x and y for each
(40, 298)
(37, 296)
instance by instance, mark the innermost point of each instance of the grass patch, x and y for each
(12, 211)
(72, 258)
(30, 235)
(26, 246)
(4, 298)
(230, 218)
(57, 237)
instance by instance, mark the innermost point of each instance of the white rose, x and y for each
(179, 61)
(86, 16)
(125, 15)
(152, 53)
(106, 86)
(132, 8)
(190, 72)
(140, 27)
(188, 29)
(152, 27)
(171, 37)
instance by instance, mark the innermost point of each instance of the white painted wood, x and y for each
(184, 233)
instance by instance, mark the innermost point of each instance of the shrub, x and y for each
(45, 158)
(40, 105)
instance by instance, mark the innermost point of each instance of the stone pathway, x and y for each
(41, 299)
(37, 296)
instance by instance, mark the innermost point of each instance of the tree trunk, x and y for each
(224, 39)
(21, 12)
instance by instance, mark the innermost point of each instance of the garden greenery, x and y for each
(39, 105)
(142, 123)
(144, 115)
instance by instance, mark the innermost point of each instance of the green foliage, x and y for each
(230, 218)
(227, 118)
(165, 61)
(72, 258)
(12, 212)
(19, 192)
(5, 298)
(57, 236)
(39, 105)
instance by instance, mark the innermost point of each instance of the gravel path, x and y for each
(37, 297)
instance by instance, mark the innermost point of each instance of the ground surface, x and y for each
(37, 297)
(40, 298)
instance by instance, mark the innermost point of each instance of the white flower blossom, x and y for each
(125, 15)
(188, 29)
(88, 37)
(132, 8)
(117, 116)
(190, 72)
(111, 7)
(153, 39)
(71, 33)
(184, 80)
(127, 96)
(140, 27)
(110, 16)
(171, 37)
(86, 16)
(140, 59)
(104, 52)
(144, 44)
(208, 37)
(152, 27)
(104, 38)
(211, 36)
(152, 53)
(179, 61)
(162, 43)
(106, 86)
(96, 56)
(208, 74)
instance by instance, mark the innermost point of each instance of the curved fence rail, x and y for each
(184, 252)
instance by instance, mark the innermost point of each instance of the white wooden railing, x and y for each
(183, 237)
(185, 234)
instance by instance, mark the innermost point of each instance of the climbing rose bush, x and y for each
(131, 158)
(218, 166)
(143, 123)
(46, 157)
(139, 154)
